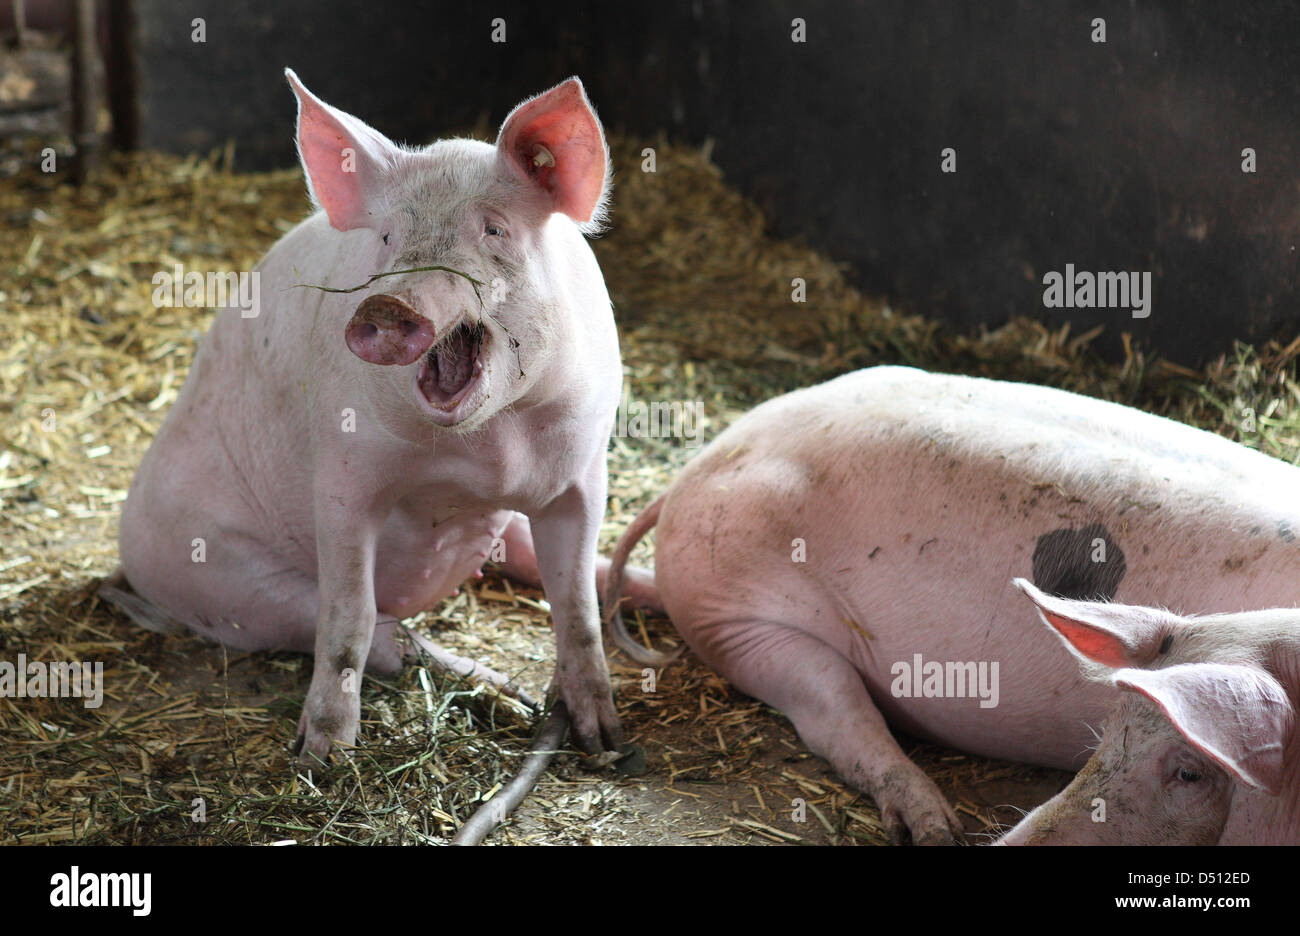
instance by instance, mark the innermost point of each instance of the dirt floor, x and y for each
(191, 743)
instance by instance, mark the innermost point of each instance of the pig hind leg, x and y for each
(395, 644)
(822, 693)
(285, 618)
(276, 610)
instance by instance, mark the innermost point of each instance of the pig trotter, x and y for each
(912, 808)
(494, 812)
(328, 718)
(586, 692)
(835, 716)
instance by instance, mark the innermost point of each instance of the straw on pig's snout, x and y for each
(475, 283)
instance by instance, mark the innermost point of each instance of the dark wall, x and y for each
(1122, 156)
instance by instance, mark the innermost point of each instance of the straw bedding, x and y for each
(187, 731)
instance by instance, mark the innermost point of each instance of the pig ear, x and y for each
(1111, 634)
(1238, 715)
(345, 160)
(556, 142)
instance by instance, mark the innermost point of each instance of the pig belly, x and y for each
(734, 593)
(418, 562)
(240, 568)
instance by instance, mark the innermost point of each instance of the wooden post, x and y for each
(85, 94)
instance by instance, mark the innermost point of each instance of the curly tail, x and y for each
(615, 629)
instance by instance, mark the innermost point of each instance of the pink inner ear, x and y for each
(323, 143)
(1095, 644)
(563, 125)
(343, 158)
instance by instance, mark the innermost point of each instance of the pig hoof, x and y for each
(927, 827)
(913, 810)
(593, 720)
(316, 741)
(312, 749)
(312, 753)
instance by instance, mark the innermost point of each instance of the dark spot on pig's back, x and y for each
(1083, 564)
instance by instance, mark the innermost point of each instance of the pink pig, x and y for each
(338, 461)
(1200, 748)
(842, 552)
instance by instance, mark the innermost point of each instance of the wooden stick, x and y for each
(494, 812)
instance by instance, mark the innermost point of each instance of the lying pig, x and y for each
(340, 460)
(837, 553)
(1200, 749)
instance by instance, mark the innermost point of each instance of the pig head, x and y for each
(1200, 747)
(479, 278)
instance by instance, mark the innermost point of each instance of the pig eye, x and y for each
(491, 230)
(1166, 643)
(385, 238)
(1187, 775)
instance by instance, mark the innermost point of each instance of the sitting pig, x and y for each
(1200, 748)
(338, 460)
(837, 553)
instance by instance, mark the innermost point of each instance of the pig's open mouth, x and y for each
(452, 366)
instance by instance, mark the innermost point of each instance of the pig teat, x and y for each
(386, 330)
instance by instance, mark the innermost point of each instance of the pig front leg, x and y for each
(564, 538)
(345, 628)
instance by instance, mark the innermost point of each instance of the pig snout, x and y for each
(386, 330)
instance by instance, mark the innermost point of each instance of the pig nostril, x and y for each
(409, 328)
(369, 330)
